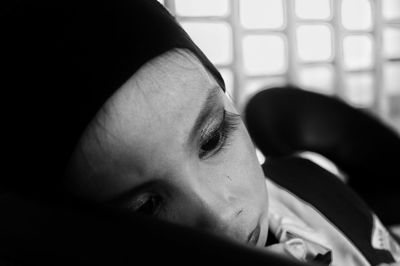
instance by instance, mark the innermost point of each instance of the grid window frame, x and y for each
(380, 105)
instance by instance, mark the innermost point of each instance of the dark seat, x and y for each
(286, 120)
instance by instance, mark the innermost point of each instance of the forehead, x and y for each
(169, 90)
(147, 121)
(164, 86)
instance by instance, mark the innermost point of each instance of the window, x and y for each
(261, 14)
(217, 44)
(314, 43)
(263, 55)
(347, 48)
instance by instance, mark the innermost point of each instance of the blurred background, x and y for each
(346, 48)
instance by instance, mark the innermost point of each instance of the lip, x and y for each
(252, 239)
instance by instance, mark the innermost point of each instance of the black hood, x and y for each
(62, 61)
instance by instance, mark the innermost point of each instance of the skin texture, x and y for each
(142, 152)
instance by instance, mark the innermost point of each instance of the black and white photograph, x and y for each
(200, 132)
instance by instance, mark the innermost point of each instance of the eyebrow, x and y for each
(209, 105)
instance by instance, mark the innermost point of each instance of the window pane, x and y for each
(391, 42)
(314, 43)
(394, 119)
(356, 14)
(201, 7)
(264, 55)
(394, 112)
(359, 90)
(258, 14)
(318, 78)
(357, 52)
(391, 9)
(394, 104)
(228, 79)
(313, 9)
(214, 39)
(391, 75)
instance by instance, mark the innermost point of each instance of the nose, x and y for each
(215, 209)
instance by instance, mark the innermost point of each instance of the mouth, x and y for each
(252, 239)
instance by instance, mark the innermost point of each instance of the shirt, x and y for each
(308, 232)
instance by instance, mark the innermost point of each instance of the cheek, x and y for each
(244, 161)
(245, 168)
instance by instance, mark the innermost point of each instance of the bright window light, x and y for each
(313, 9)
(228, 79)
(391, 9)
(201, 7)
(161, 1)
(260, 156)
(359, 90)
(356, 14)
(317, 78)
(256, 14)
(264, 55)
(391, 75)
(391, 42)
(314, 42)
(214, 39)
(394, 112)
(357, 52)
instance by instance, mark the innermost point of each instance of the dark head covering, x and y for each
(62, 61)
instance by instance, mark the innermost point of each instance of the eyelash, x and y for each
(229, 124)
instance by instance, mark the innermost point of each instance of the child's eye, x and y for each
(213, 142)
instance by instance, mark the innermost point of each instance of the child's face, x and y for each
(169, 143)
